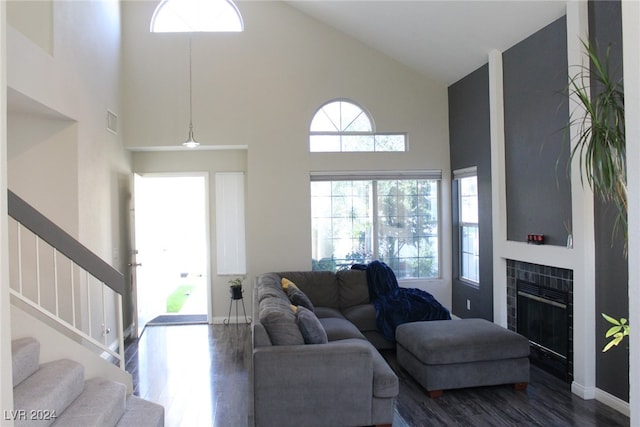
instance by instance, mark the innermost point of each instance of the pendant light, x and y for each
(180, 16)
(191, 141)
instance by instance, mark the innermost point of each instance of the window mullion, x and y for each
(374, 220)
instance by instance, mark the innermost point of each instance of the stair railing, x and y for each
(55, 275)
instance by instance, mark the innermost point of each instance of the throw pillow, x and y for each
(296, 296)
(280, 322)
(286, 283)
(310, 327)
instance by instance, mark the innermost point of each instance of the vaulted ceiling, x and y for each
(442, 39)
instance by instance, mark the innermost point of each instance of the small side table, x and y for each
(236, 295)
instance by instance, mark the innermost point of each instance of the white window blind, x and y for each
(230, 228)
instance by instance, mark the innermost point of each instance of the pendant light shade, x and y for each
(191, 142)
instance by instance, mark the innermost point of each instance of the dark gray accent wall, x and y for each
(538, 187)
(470, 145)
(612, 373)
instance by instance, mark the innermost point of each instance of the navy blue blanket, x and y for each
(395, 305)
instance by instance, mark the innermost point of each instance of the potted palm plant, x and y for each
(600, 140)
(601, 147)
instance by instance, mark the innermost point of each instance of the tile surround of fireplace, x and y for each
(554, 278)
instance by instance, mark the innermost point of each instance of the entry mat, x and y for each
(178, 319)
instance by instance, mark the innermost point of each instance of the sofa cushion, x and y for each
(260, 335)
(353, 288)
(340, 329)
(323, 312)
(320, 286)
(385, 381)
(296, 296)
(280, 322)
(269, 286)
(310, 327)
(363, 316)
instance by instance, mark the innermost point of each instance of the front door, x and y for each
(170, 262)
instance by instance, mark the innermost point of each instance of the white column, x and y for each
(6, 385)
(631, 63)
(498, 187)
(584, 318)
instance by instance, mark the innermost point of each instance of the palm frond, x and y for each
(600, 143)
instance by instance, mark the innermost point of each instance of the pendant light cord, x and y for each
(190, 142)
(190, 89)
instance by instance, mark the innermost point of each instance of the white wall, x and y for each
(631, 41)
(200, 161)
(63, 74)
(259, 89)
(6, 381)
(77, 83)
(48, 142)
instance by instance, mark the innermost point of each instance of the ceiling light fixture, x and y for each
(191, 141)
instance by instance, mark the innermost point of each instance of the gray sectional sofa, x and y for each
(317, 363)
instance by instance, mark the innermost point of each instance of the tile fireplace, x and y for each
(540, 307)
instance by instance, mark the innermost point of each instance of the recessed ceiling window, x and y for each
(175, 16)
(342, 125)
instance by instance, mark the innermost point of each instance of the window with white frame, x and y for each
(395, 219)
(469, 255)
(176, 16)
(343, 126)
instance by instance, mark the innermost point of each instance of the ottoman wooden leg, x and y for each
(434, 393)
(520, 386)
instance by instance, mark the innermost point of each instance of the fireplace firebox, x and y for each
(543, 316)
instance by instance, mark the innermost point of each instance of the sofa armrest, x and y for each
(324, 384)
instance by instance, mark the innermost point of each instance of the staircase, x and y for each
(56, 393)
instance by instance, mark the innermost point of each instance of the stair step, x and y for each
(51, 388)
(142, 413)
(25, 353)
(101, 403)
(55, 393)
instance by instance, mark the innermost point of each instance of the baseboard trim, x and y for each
(586, 393)
(613, 402)
(589, 393)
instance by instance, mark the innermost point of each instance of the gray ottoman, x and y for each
(447, 354)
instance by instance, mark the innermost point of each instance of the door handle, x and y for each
(137, 264)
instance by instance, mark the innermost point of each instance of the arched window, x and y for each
(175, 16)
(342, 125)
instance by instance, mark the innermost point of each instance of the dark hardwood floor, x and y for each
(200, 374)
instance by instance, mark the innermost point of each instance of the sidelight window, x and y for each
(469, 254)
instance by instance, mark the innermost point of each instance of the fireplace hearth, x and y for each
(540, 307)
